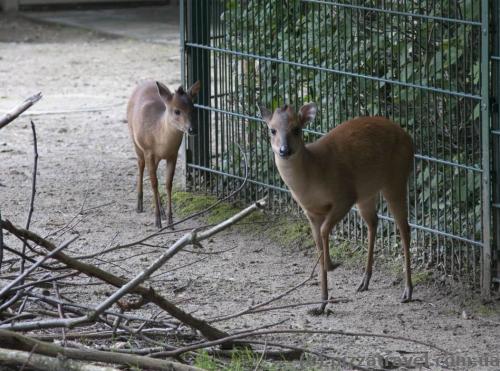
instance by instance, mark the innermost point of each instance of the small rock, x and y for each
(465, 315)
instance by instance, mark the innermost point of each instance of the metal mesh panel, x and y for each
(416, 62)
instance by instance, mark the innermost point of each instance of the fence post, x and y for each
(198, 68)
(485, 145)
(495, 124)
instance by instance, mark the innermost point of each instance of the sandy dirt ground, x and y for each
(86, 178)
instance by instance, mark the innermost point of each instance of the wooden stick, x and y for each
(42, 363)
(13, 340)
(14, 113)
(33, 193)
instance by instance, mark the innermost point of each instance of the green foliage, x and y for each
(205, 361)
(241, 360)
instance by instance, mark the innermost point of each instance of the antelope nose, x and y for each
(191, 131)
(284, 151)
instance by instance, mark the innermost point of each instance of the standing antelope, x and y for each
(157, 121)
(350, 165)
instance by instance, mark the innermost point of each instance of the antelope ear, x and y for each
(307, 113)
(163, 91)
(265, 113)
(195, 89)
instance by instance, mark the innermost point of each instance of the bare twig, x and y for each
(261, 357)
(1, 243)
(42, 282)
(26, 362)
(60, 311)
(33, 192)
(15, 112)
(21, 277)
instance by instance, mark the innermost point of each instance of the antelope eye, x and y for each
(273, 131)
(177, 112)
(297, 131)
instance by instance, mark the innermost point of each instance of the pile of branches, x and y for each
(41, 328)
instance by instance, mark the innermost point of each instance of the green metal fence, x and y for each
(428, 65)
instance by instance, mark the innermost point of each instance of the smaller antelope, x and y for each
(157, 121)
(350, 165)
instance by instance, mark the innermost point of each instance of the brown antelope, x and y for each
(157, 120)
(350, 165)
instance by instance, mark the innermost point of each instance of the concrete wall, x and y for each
(13, 5)
(48, 2)
(9, 5)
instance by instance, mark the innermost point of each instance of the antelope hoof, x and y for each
(331, 266)
(170, 222)
(406, 297)
(316, 311)
(365, 282)
(158, 222)
(162, 213)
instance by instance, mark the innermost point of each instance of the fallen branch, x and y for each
(12, 340)
(210, 332)
(179, 351)
(17, 111)
(99, 335)
(18, 359)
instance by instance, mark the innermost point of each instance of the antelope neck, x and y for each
(294, 170)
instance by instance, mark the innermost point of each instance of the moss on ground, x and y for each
(421, 277)
(188, 203)
(290, 233)
(394, 265)
(487, 310)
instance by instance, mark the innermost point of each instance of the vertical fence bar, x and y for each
(495, 87)
(485, 145)
(198, 68)
(182, 28)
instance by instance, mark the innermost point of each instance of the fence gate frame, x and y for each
(195, 25)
